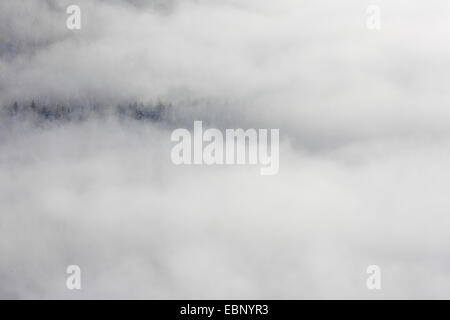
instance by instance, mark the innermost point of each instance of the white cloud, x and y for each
(363, 173)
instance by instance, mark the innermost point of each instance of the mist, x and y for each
(364, 149)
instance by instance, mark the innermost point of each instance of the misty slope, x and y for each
(78, 112)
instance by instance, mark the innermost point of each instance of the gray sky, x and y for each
(363, 118)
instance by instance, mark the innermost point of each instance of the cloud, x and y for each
(363, 162)
(314, 69)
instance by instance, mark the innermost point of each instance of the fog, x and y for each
(364, 149)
